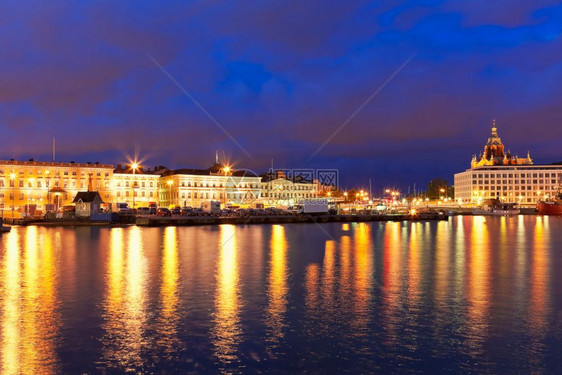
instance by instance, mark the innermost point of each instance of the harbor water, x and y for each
(471, 294)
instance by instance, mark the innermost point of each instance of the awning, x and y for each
(57, 190)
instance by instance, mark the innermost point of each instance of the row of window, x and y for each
(517, 175)
(517, 188)
(39, 184)
(58, 173)
(506, 182)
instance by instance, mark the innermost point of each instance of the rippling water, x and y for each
(471, 294)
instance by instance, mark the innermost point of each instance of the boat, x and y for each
(4, 229)
(494, 207)
(551, 206)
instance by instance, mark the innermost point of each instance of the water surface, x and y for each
(472, 294)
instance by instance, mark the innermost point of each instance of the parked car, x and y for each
(163, 211)
(186, 211)
(143, 210)
(122, 207)
(66, 212)
(176, 211)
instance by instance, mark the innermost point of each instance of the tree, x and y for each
(438, 188)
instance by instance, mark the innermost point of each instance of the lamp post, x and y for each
(134, 167)
(170, 183)
(226, 171)
(13, 179)
(48, 186)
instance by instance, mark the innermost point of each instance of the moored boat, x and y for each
(494, 207)
(3, 229)
(551, 206)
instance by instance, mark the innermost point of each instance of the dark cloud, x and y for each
(281, 77)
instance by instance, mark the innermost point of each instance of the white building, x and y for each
(142, 185)
(279, 191)
(499, 175)
(192, 187)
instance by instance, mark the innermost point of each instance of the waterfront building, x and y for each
(51, 185)
(281, 191)
(497, 174)
(135, 186)
(87, 203)
(192, 187)
(36, 183)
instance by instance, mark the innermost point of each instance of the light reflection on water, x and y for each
(471, 294)
(227, 331)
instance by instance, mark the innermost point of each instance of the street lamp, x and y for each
(170, 183)
(13, 179)
(134, 167)
(226, 170)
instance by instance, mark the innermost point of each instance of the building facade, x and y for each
(37, 183)
(138, 187)
(498, 175)
(279, 191)
(192, 187)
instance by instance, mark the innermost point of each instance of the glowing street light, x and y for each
(170, 183)
(134, 167)
(13, 178)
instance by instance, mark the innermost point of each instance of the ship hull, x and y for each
(549, 208)
(495, 212)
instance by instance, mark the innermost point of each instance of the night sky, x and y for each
(281, 77)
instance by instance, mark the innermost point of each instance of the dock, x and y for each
(151, 221)
(155, 221)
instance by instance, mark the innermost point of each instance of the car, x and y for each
(176, 211)
(162, 211)
(186, 211)
(122, 207)
(143, 210)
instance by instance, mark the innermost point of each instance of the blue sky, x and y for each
(281, 77)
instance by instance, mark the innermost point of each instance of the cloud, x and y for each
(281, 77)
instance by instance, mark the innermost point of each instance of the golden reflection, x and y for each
(503, 249)
(392, 305)
(363, 275)
(311, 285)
(30, 317)
(479, 283)
(11, 306)
(169, 298)
(414, 264)
(328, 277)
(521, 249)
(344, 267)
(442, 263)
(277, 286)
(227, 328)
(539, 278)
(460, 258)
(125, 305)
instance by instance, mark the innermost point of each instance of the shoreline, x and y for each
(242, 220)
